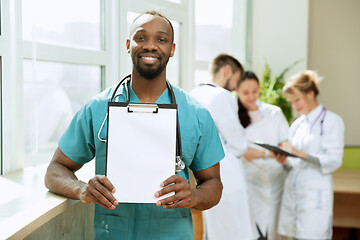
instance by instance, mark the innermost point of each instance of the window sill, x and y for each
(26, 204)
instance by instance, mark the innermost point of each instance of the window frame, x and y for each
(14, 50)
(1, 53)
(10, 46)
(241, 39)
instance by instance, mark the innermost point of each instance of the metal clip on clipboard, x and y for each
(142, 108)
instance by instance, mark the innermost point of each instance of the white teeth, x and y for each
(149, 58)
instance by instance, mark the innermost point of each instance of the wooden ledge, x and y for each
(347, 181)
(26, 204)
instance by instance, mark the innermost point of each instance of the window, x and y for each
(63, 23)
(3, 51)
(213, 28)
(219, 30)
(55, 87)
(175, 1)
(53, 93)
(1, 158)
(57, 58)
(66, 51)
(0, 18)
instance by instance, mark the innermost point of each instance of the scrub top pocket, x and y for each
(111, 227)
(176, 229)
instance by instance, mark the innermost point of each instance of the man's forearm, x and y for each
(207, 194)
(62, 181)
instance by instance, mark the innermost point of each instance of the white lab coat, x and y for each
(307, 204)
(265, 177)
(230, 219)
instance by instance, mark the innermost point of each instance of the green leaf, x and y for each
(271, 89)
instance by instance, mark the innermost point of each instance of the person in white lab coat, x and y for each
(264, 123)
(230, 219)
(317, 137)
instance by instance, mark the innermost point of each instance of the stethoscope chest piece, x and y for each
(179, 164)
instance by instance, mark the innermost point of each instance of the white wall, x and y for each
(334, 51)
(326, 34)
(280, 33)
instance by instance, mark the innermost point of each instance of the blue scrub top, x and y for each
(201, 149)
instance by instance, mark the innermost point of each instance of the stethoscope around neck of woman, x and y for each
(179, 163)
(321, 115)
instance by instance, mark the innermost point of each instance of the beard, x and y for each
(147, 71)
(227, 84)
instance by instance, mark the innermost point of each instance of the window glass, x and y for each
(213, 28)
(1, 163)
(173, 67)
(0, 18)
(175, 1)
(63, 22)
(53, 93)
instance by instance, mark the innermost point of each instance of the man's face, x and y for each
(232, 80)
(150, 45)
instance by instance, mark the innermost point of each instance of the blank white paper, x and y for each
(140, 153)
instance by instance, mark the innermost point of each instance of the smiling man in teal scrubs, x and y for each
(150, 45)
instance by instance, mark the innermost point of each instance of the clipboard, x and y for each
(141, 149)
(276, 149)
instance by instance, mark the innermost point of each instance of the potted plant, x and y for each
(271, 90)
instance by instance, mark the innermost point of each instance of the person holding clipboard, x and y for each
(265, 177)
(317, 137)
(150, 45)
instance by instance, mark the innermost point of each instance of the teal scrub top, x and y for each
(201, 148)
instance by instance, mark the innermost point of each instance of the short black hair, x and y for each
(158, 14)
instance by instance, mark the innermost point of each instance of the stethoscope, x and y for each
(321, 115)
(207, 84)
(179, 163)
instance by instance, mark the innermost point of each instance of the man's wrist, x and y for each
(79, 189)
(195, 197)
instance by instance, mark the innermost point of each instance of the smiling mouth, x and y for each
(149, 60)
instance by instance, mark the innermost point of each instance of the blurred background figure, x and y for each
(51, 113)
(317, 137)
(264, 123)
(230, 219)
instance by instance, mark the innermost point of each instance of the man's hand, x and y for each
(206, 194)
(99, 190)
(184, 196)
(60, 179)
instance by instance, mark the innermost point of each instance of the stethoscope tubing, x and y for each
(323, 114)
(179, 163)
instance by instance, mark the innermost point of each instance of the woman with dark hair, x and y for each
(317, 137)
(265, 176)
